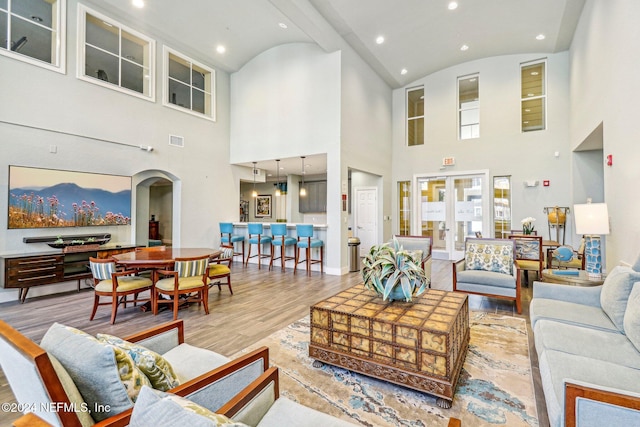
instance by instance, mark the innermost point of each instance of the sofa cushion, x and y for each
(490, 278)
(285, 412)
(608, 346)
(556, 367)
(105, 375)
(156, 408)
(615, 293)
(189, 362)
(489, 257)
(153, 366)
(632, 317)
(569, 312)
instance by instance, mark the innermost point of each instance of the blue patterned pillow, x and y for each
(489, 257)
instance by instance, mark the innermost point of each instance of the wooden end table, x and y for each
(579, 279)
(420, 344)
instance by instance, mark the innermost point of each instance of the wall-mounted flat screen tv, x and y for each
(46, 198)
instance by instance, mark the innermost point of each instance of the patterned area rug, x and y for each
(495, 386)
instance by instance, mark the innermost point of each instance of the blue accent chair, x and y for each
(280, 239)
(228, 238)
(307, 242)
(257, 237)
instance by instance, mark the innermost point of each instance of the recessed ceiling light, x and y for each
(282, 25)
(380, 39)
(534, 73)
(464, 47)
(472, 80)
(138, 3)
(540, 37)
(403, 71)
(529, 94)
(35, 18)
(527, 110)
(452, 5)
(221, 49)
(526, 122)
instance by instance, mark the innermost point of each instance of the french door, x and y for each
(451, 208)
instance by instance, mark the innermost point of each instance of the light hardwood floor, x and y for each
(262, 302)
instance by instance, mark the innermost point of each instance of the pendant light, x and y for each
(254, 193)
(278, 193)
(303, 191)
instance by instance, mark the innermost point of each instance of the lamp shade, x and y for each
(591, 218)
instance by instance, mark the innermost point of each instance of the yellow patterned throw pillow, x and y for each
(153, 365)
(158, 408)
(489, 257)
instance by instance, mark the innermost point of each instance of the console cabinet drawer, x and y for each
(30, 271)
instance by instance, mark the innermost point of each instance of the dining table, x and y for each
(161, 259)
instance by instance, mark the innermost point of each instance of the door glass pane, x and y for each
(468, 209)
(433, 211)
(502, 206)
(404, 208)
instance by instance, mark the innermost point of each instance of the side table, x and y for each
(570, 278)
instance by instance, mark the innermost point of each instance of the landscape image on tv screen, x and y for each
(44, 198)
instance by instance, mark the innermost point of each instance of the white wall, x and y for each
(89, 124)
(502, 148)
(604, 87)
(283, 104)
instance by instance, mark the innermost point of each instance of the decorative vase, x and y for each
(397, 294)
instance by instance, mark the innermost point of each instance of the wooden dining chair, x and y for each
(116, 286)
(189, 276)
(220, 268)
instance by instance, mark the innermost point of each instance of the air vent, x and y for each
(176, 141)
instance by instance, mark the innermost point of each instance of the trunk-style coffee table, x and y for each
(420, 344)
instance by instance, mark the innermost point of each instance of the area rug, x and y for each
(495, 385)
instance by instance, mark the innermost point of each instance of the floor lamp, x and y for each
(592, 221)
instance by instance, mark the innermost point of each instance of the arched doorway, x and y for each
(157, 195)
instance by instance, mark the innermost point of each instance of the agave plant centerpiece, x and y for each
(393, 272)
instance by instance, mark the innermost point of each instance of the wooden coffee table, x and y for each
(421, 344)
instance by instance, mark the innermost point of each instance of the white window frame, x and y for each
(212, 94)
(467, 107)
(83, 11)
(529, 98)
(408, 119)
(59, 65)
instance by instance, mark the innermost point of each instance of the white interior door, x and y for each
(366, 218)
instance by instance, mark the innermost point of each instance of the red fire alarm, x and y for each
(545, 182)
(610, 160)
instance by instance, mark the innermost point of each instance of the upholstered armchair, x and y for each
(190, 277)
(489, 268)
(419, 243)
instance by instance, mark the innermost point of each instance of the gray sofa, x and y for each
(588, 345)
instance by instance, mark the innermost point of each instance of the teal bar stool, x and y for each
(307, 242)
(228, 238)
(256, 237)
(279, 239)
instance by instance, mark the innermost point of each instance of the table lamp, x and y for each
(592, 220)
